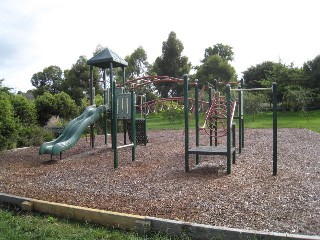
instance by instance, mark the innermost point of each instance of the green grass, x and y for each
(20, 225)
(309, 120)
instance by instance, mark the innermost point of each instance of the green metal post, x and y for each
(210, 100)
(242, 119)
(92, 93)
(196, 105)
(124, 121)
(275, 129)
(105, 102)
(133, 124)
(234, 142)
(186, 122)
(228, 92)
(240, 116)
(114, 119)
(145, 119)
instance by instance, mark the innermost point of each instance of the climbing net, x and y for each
(215, 123)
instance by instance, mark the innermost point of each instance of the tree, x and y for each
(49, 80)
(215, 68)
(137, 64)
(24, 110)
(60, 104)
(254, 75)
(171, 63)
(224, 51)
(8, 125)
(76, 82)
(311, 70)
(4, 89)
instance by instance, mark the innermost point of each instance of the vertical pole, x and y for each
(240, 117)
(275, 129)
(105, 102)
(92, 93)
(210, 100)
(228, 130)
(196, 105)
(114, 119)
(124, 121)
(186, 123)
(233, 142)
(145, 119)
(133, 124)
(216, 120)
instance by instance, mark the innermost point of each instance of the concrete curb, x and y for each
(143, 224)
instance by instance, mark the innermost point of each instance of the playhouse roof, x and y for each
(105, 57)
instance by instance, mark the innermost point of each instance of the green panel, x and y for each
(124, 106)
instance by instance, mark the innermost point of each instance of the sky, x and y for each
(35, 34)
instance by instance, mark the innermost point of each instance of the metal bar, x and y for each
(275, 129)
(125, 146)
(250, 89)
(114, 119)
(186, 123)
(196, 105)
(228, 130)
(234, 142)
(105, 102)
(133, 124)
(210, 100)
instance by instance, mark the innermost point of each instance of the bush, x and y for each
(33, 135)
(8, 124)
(172, 111)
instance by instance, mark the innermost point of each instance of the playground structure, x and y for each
(219, 119)
(116, 101)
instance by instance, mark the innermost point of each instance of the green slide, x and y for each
(73, 131)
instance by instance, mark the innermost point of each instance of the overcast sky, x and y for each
(35, 34)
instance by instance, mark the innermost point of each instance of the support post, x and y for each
(92, 102)
(186, 123)
(145, 120)
(242, 113)
(234, 142)
(240, 116)
(196, 105)
(105, 102)
(114, 119)
(275, 129)
(133, 124)
(210, 100)
(228, 129)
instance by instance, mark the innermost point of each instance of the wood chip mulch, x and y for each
(157, 185)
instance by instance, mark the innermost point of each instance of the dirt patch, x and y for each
(156, 184)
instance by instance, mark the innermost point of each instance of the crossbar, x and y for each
(124, 146)
(250, 89)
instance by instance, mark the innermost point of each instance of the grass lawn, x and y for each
(16, 225)
(309, 120)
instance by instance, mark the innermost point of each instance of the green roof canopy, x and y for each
(105, 57)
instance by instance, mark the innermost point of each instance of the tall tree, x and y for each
(171, 63)
(215, 68)
(137, 63)
(76, 82)
(224, 51)
(49, 80)
(254, 75)
(312, 72)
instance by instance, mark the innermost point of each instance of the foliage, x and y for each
(76, 83)
(255, 74)
(224, 51)
(24, 110)
(298, 98)
(254, 103)
(49, 80)
(171, 63)
(49, 105)
(173, 112)
(137, 64)
(8, 124)
(33, 135)
(215, 68)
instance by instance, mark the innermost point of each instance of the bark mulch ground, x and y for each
(156, 184)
